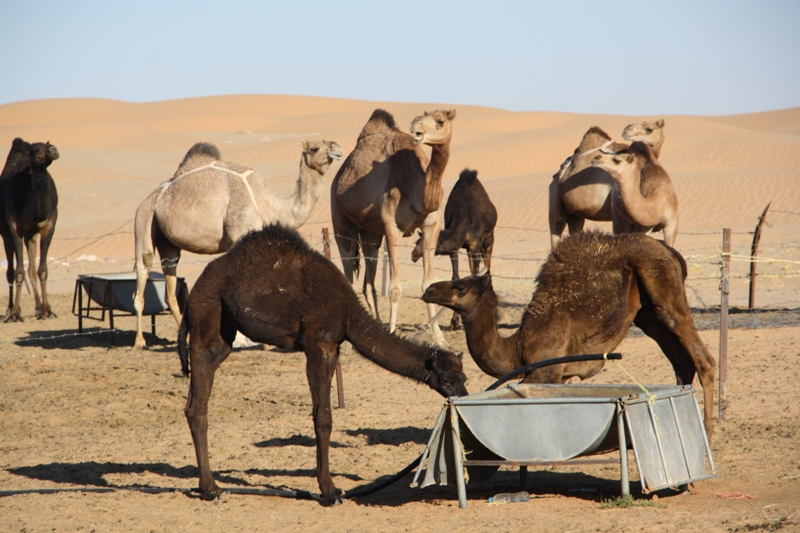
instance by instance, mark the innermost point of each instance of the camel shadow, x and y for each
(71, 339)
(92, 474)
(393, 436)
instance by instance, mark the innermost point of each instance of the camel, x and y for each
(209, 204)
(388, 187)
(469, 220)
(28, 215)
(580, 191)
(272, 287)
(589, 291)
(643, 195)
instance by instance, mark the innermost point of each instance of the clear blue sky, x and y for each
(617, 57)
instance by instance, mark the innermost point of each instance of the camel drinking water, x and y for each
(209, 204)
(589, 291)
(272, 287)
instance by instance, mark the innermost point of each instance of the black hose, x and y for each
(376, 486)
(556, 361)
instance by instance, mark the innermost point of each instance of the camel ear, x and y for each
(485, 282)
(460, 355)
(660, 123)
(451, 114)
(305, 145)
(630, 158)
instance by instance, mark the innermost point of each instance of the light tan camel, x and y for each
(209, 204)
(580, 191)
(588, 292)
(644, 196)
(388, 187)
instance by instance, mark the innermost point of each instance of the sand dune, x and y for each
(113, 154)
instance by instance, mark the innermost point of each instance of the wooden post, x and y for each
(751, 303)
(723, 321)
(326, 246)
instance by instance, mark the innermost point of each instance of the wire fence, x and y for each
(520, 251)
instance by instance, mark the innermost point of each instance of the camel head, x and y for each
(446, 374)
(650, 133)
(319, 155)
(42, 154)
(626, 162)
(433, 128)
(462, 295)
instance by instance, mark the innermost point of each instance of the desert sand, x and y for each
(84, 424)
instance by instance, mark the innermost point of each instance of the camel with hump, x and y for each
(580, 191)
(589, 291)
(389, 187)
(28, 215)
(209, 204)
(469, 221)
(272, 287)
(643, 196)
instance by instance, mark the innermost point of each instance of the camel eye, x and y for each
(315, 149)
(440, 123)
(648, 130)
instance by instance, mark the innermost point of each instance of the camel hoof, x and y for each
(328, 501)
(44, 315)
(13, 317)
(212, 495)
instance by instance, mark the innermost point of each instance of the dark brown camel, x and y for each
(28, 214)
(590, 290)
(275, 289)
(469, 220)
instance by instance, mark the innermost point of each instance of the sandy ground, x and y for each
(93, 437)
(77, 413)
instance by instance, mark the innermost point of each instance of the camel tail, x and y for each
(183, 345)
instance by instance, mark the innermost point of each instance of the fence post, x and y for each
(723, 321)
(751, 303)
(326, 247)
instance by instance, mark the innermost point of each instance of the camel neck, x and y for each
(495, 355)
(440, 154)
(306, 193)
(372, 340)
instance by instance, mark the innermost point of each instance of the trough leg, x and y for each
(623, 452)
(462, 489)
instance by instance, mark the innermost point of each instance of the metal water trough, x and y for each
(114, 292)
(536, 425)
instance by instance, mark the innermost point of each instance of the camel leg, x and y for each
(371, 248)
(142, 273)
(321, 358)
(208, 348)
(10, 254)
(15, 311)
(46, 237)
(31, 244)
(488, 247)
(170, 255)
(575, 224)
(455, 320)
(669, 320)
(430, 236)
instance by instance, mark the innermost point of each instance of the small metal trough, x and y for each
(114, 292)
(536, 425)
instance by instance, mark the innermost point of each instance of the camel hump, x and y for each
(641, 149)
(596, 130)
(468, 176)
(203, 148)
(380, 121)
(199, 154)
